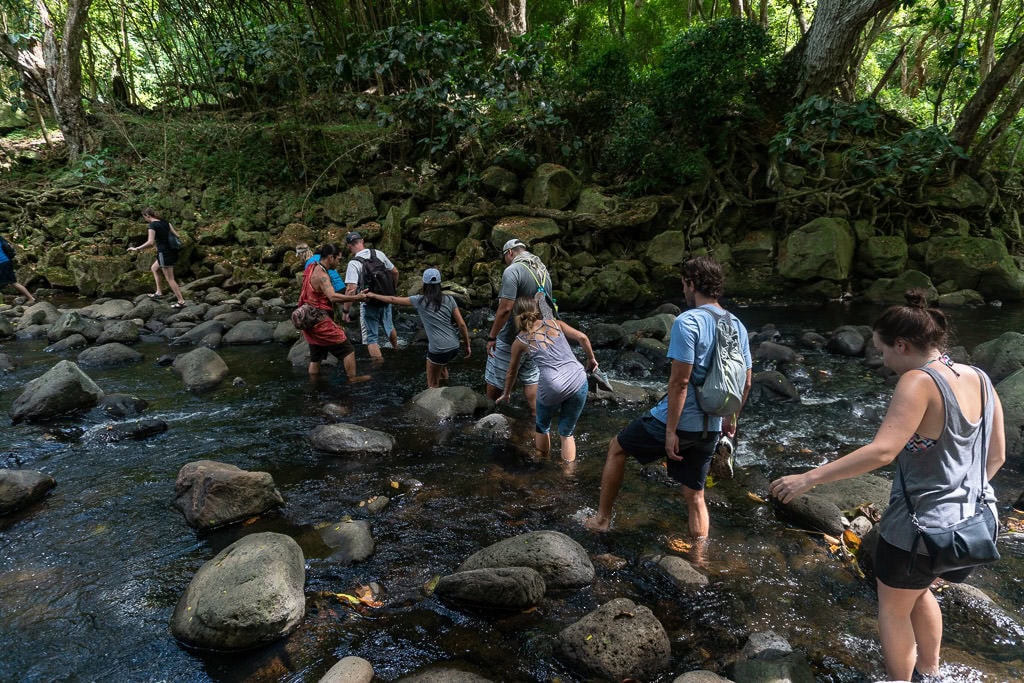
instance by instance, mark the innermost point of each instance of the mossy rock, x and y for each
(882, 256)
(668, 248)
(821, 249)
(528, 229)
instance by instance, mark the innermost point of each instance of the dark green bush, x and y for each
(710, 72)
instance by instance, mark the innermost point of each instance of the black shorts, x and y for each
(896, 568)
(644, 439)
(318, 353)
(442, 357)
(7, 276)
(167, 259)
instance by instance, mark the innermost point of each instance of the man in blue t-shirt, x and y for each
(676, 428)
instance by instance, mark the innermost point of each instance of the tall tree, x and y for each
(820, 60)
(984, 98)
(51, 69)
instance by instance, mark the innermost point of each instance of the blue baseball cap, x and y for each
(431, 276)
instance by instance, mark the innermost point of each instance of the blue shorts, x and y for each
(371, 318)
(568, 413)
(644, 439)
(497, 367)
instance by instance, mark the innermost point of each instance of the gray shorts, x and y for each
(497, 367)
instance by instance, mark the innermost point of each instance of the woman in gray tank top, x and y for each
(563, 382)
(934, 425)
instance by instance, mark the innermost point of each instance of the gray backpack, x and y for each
(721, 393)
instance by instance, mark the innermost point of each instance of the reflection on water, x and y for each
(89, 578)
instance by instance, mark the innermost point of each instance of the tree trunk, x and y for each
(508, 20)
(988, 141)
(821, 58)
(981, 102)
(52, 71)
(987, 53)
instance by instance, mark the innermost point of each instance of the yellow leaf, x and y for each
(709, 482)
(343, 597)
(756, 498)
(851, 539)
(679, 545)
(429, 586)
(589, 636)
(394, 484)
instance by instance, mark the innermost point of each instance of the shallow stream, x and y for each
(90, 576)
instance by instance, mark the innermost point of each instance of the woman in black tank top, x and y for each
(159, 235)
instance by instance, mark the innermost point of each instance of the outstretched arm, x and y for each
(385, 299)
(150, 241)
(906, 410)
(572, 334)
(463, 330)
(518, 348)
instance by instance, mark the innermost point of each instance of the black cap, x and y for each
(352, 237)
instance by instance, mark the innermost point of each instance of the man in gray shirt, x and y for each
(524, 274)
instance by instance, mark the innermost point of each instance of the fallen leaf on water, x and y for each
(343, 597)
(394, 484)
(431, 585)
(251, 520)
(679, 545)
(366, 596)
(528, 610)
(756, 498)
(831, 540)
(806, 451)
(1014, 525)
(851, 539)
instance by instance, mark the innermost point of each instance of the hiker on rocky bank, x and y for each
(159, 234)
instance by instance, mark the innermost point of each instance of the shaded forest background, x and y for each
(710, 102)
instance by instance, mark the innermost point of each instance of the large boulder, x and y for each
(1011, 395)
(200, 332)
(109, 309)
(882, 256)
(98, 275)
(1000, 357)
(620, 640)
(822, 507)
(447, 402)
(552, 187)
(891, 290)
(493, 587)
(250, 594)
(977, 263)
(71, 322)
(963, 192)
(39, 313)
(250, 332)
(19, 488)
(200, 369)
(609, 289)
(668, 248)
(122, 331)
(350, 669)
(351, 207)
(346, 438)
(527, 229)
(63, 389)
(559, 559)
(350, 540)
(211, 494)
(109, 355)
(821, 249)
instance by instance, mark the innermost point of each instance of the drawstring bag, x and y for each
(306, 317)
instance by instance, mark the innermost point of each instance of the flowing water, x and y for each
(89, 577)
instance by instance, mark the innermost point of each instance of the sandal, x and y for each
(156, 295)
(178, 304)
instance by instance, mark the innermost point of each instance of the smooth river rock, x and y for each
(211, 494)
(559, 559)
(499, 588)
(349, 438)
(619, 640)
(19, 488)
(200, 369)
(63, 389)
(251, 593)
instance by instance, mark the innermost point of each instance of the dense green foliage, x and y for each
(651, 94)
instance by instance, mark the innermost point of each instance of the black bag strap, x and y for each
(983, 460)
